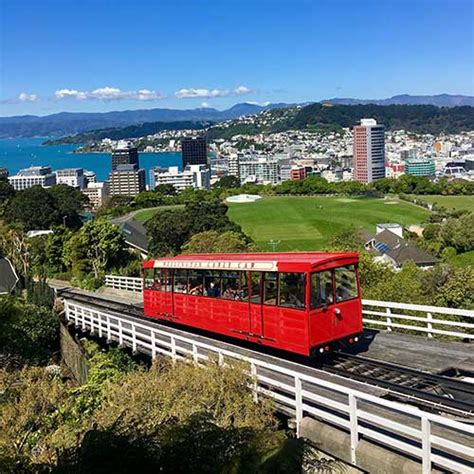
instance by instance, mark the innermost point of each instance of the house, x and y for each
(8, 276)
(389, 246)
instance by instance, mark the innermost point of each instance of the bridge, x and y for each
(392, 425)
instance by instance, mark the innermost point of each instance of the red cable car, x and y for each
(298, 302)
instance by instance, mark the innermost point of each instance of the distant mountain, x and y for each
(441, 100)
(67, 123)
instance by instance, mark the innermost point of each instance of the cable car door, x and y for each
(255, 304)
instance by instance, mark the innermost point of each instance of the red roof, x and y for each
(303, 261)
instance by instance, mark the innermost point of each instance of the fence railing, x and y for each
(124, 283)
(428, 437)
(429, 320)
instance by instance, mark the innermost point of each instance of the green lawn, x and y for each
(309, 223)
(451, 202)
(146, 214)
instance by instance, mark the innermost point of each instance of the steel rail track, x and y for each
(426, 390)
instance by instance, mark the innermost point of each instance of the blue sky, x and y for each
(101, 55)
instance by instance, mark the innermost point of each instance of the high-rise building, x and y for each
(33, 176)
(194, 176)
(194, 151)
(72, 177)
(124, 154)
(127, 180)
(369, 151)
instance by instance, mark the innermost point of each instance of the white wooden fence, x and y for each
(430, 438)
(429, 320)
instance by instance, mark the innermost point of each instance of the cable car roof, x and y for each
(281, 261)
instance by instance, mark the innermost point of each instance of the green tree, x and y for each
(167, 232)
(97, 246)
(6, 190)
(227, 182)
(212, 241)
(68, 202)
(165, 189)
(32, 208)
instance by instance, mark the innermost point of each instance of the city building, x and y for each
(368, 151)
(3, 173)
(194, 176)
(297, 172)
(124, 154)
(262, 170)
(408, 154)
(33, 176)
(420, 167)
(127, 180)
(89, 177)
(233, 165)
(72, 177)
(194, 151)
(98, 193)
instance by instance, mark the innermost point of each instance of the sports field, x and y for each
(451, 202)
(309, 223)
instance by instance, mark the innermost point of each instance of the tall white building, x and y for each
(193, 176)
(369, 151)
(72, 177)
(259, 170)
(33, 176)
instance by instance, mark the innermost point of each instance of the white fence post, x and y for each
(429, 318)
(389, 319)
(253, 373)
(354, 426)
(298, 405)
(426, 445)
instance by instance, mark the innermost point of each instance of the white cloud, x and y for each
(25, 97)
(69, 93)
(242, 90)
(205, 105)
(202, 93)
(107, 94)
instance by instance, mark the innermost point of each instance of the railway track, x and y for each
(433, 392)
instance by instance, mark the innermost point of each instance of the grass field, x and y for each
(309, 223)
(451, 202)
(146, 214)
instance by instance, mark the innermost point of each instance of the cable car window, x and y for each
(212, 283)
(230, 285)
(243, 294)
(255, 296)
(346, 283)
(196, 282)
(180, 281)
(149, 278)
(166, 280)
(322, 293)
(292, 290)
(270, 288)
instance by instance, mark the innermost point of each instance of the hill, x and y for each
(132, 131)
(440, 100)
(66, 123)
(331, 117)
